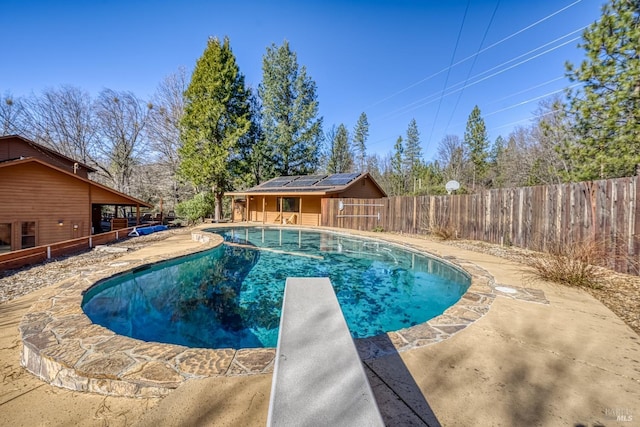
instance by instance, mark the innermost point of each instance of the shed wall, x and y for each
(363, 189)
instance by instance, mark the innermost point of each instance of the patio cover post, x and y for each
(247, 216)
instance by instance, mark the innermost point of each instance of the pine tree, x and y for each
(412, 157)
(360, 135)
(497, 168)
(216, 116)
(340, 156)
(606, 110)
(398, 175)
(253, 162)
(293, 130)
(475, 138)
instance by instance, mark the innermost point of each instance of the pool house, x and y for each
(298, 199)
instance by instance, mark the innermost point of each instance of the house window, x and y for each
(289, 204)
(28, 235)
(5, 237)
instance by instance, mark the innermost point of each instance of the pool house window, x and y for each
(289, 204)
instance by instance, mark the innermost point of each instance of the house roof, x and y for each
(48, 151)
(115, 197)
(307, 185)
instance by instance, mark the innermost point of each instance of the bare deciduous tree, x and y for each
(163, 134)
(453, 157)
(11, 115)
(63, 119)
(122, 118)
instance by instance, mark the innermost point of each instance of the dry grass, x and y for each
(444, 232)
(575, 264)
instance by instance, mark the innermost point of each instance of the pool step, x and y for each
(318, 377)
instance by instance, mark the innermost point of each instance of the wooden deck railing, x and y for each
(20, 258)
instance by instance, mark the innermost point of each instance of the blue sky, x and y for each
(389, 59)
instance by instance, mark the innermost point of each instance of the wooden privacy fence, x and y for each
(536, 218)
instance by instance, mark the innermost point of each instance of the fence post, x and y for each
(48, 252)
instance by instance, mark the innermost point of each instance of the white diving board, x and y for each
(318, 379)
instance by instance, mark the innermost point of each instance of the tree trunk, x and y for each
(218, 207)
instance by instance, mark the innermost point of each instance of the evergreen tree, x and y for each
(398, 187)
(360, 135)
(340, 156)
(497, 169)
(606, 110)
(412, 157)
(253, 164)
(475, 138)
(216, 116)
(431, 179)
(293, 130)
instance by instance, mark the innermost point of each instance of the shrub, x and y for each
(573, 264)
(444, 232)
(196, 209)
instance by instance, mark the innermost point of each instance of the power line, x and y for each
(475, 58)
(419, 103)
(520, 92)
(526, 119)
(536, 98)
(521, 103)
(446, 80)
(528, 27)
(398, 110)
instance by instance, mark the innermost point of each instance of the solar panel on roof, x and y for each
(305, 181)
(278, 182)
(339, 179)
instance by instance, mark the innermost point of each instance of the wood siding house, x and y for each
(46, 197)
(298, 199)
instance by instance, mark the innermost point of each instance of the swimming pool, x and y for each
(231, 296)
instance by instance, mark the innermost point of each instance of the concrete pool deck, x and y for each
(568, 362)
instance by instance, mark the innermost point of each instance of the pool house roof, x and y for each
(321, 184)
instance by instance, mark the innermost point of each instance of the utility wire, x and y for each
(509, 108)
(434, 95)
(530, 100)
(521, 103)
(528, 27)
(526, 119)
(475, 58)
(520, 92)
(423, 101)
(446, 80)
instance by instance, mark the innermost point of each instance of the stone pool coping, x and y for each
(64, 348)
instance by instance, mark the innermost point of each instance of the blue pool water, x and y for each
(231, 296)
